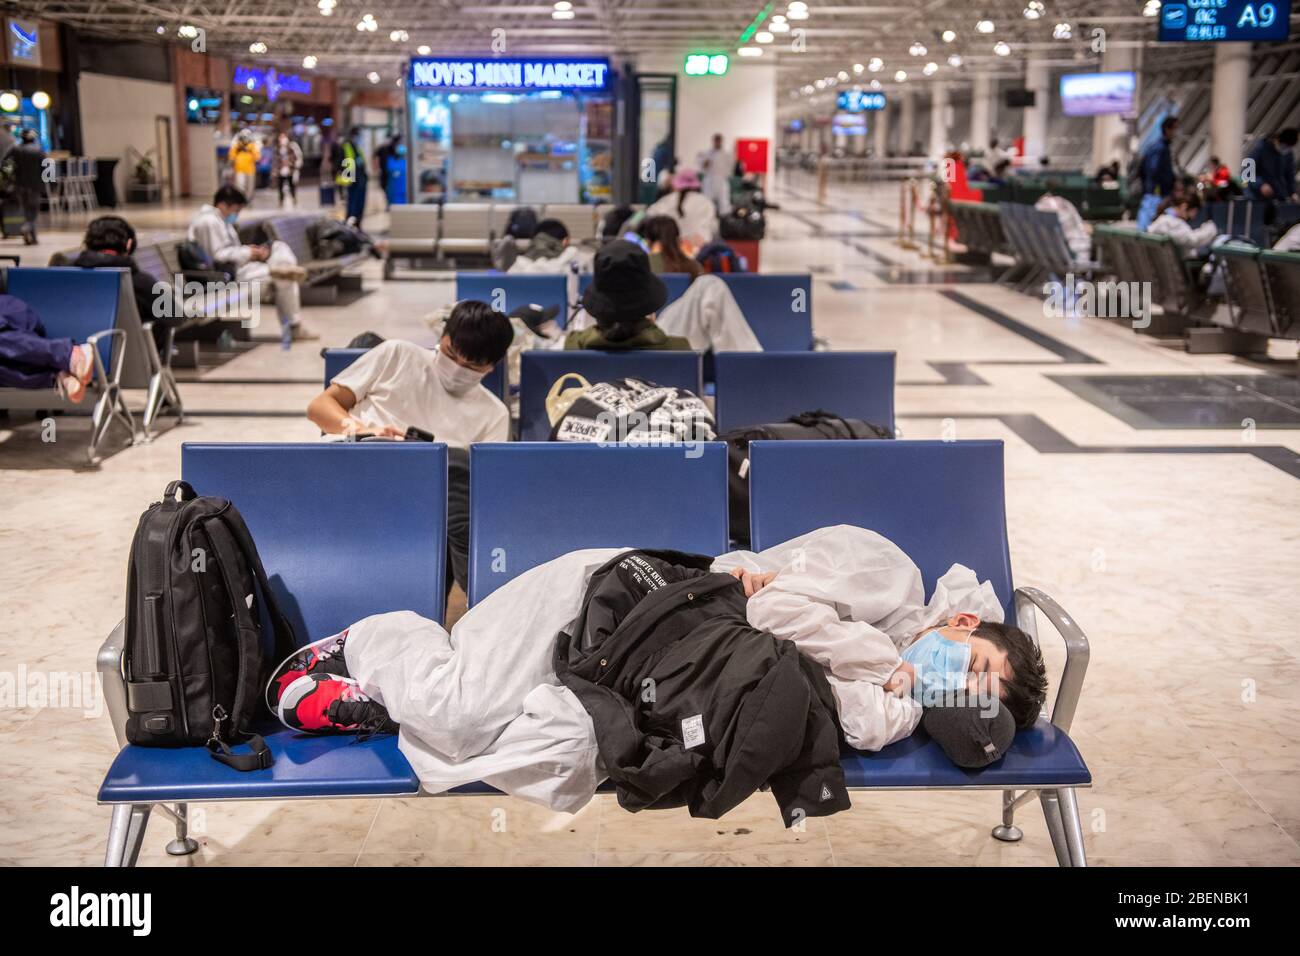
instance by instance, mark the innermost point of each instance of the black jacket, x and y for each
(691, 705)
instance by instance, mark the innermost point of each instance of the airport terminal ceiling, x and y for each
(835, 36)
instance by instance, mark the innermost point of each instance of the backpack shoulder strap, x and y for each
(285, 639)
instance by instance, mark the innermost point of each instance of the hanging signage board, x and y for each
(574, 75)
(860, 101)
(1202, 21)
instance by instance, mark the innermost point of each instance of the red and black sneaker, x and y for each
(320, 657)
(325, 704)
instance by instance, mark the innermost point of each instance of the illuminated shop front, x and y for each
(514, 130)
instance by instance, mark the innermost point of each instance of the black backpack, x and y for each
(195, 660)
(805, 426)
(717, 256)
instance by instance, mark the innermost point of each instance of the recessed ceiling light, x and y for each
(900, 76)
(1001, 48)
(930, 69)
(985, 26)
(949, 36)
(309, 62)
(373, 77)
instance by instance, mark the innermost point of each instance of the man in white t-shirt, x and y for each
(398, 385)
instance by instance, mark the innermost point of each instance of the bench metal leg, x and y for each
(1073, 826)
(1055, 826)
(109, 408)
(163, 396)
(126, 833)
(184, 844)
(1008, 832)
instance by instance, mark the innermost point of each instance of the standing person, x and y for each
(286, 160)
(7, 141)
(1274, 162)
(717, 165)
(244, 154)
(382, 155)
(353, 176)
(29, 163)
(1157, 173)
(214, 229)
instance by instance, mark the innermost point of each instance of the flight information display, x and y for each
(1200, 21)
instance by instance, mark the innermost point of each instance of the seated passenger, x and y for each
(30, 360)
(110, 244)
(664, 238)
(1290, 241)
(619, 309)
(549, 251)
(1174, 218)
(213, 228)
(399, 385)
(485, 702)
(694, 213)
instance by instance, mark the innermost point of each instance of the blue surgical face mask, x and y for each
(941, 666)
(230, 218)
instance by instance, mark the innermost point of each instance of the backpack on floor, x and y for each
(195, 660)
(806, 426)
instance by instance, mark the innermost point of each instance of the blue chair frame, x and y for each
(942, 503)
(538, 370)
(515, 524)
(753, 388)
(315, 510)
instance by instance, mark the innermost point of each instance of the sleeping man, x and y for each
(485, 702)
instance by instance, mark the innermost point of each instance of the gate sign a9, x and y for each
(1200, 21)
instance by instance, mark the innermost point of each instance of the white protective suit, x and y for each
(221, 242)
(484, 703)
(1189, 241)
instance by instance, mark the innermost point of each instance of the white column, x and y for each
(938, 120)
(906, 120)
(1037, 79)
(880, 132)
(981, 123)
(1110, 130)
(1229, 95)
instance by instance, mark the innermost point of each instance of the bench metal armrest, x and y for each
(1076, 649)
(112, 684)
(116, 349)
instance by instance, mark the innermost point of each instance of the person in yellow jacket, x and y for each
(245, 151)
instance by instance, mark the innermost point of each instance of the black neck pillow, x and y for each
(968, 735)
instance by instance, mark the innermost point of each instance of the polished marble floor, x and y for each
(1175, 548)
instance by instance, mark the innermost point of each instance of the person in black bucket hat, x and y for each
(623, 297)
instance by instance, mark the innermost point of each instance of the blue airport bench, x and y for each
(344, 531)
(538, 370)
(753, 388)
(942, 503)
(777, 306)
(336, 360)
(534, 501)
(86, 305)
(506, 292)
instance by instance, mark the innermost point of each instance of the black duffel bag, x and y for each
(806, 426)
(195, 660)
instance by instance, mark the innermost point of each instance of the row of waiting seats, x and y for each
(447, 230)
(1094, 201)
(777, 306)
(750, 388)
(313, 507)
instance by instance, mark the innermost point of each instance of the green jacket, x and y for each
(647, 336)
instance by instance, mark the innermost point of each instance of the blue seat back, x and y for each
(336, 360)
(758, 387)
(941, 502)
(531, 502)
(777, 306)
(344, 530)
(506, 292)
(538, 370)
(72, 303)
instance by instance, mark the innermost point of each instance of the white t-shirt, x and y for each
(396, 384)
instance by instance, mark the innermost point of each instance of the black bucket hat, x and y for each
(623, 289)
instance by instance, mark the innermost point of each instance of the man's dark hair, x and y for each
(1167, 125)
(1191, 200)
(1026, 691)
(230, 196)
(479, 333)
(110, 234)
(553, 228)
(1288, 136)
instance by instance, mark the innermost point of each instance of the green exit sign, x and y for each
(706, 64)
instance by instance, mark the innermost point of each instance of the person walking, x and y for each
(286, 160)
(29, 164)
